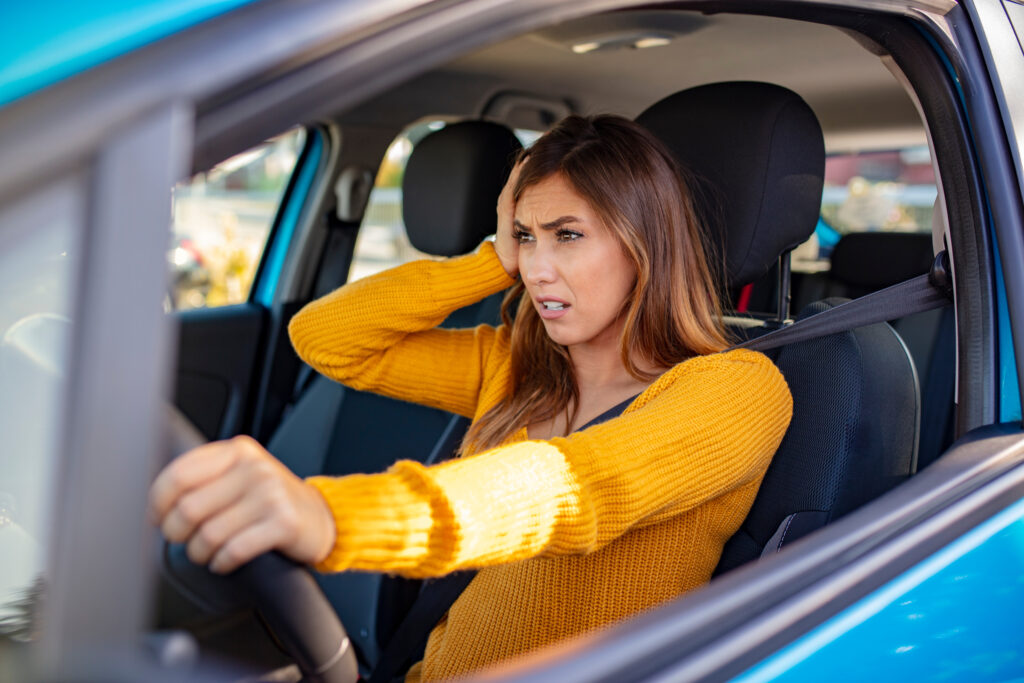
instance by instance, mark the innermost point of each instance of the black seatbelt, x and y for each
(407, 644)
(436, 598)
(449, 441)
(920, 294)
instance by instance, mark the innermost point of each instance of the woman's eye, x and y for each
(568, 235)
(520, 236)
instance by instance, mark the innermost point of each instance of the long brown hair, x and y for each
(673, 313)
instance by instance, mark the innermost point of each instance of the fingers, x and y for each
(219, 533)
(270, 515)
(186, 472)
(505, 244)
(247, 545)
(506, 200)
(231, 501)
(197, 505)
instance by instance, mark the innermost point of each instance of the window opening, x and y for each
(221, 221)
(883, 191)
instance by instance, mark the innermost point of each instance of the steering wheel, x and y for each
(283, 591)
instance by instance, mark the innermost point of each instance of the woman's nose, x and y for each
(537, 265)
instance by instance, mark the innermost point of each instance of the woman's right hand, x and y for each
(230, 501)
(505, 243)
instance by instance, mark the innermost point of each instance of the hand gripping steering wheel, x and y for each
(283, 591)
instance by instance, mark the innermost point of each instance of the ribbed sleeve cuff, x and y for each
(395, 521)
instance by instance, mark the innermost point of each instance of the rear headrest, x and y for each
(758, 157)
(451, 185)
(875, 260)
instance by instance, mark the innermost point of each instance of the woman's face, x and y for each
(574, 269)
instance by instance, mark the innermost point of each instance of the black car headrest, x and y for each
(451, 185)
(876, 260)
(758, 159)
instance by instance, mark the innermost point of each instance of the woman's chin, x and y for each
(559, 334)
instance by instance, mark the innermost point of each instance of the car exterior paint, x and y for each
(46, 43)
(953, 617)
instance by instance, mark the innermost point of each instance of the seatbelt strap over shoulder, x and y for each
(922, 293)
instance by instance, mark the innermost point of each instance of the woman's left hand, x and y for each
(505, 244)
(230, 501)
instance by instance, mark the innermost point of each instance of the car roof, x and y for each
(859, 102)
(47, 42)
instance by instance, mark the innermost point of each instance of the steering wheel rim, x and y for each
(283, 591)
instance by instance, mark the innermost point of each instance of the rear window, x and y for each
(890, 191)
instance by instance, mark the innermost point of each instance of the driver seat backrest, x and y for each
(757, 156)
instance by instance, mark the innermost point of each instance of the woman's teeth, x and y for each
(553, 305)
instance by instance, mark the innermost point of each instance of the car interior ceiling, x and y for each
(528, 82)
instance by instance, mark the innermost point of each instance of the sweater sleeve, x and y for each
(706, 427)
(377, 334)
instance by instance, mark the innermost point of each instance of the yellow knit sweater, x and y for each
(569, 534)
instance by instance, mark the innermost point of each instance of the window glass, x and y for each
(891, 191)
(37, 269)
(221, 222)
(383, 242)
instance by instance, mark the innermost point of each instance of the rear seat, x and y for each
(450, 188)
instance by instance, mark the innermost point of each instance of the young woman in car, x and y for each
(571, 528)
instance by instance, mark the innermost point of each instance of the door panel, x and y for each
(217, 356)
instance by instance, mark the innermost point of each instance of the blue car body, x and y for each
(953, 611)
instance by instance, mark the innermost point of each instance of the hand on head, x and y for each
(231, 501)
(505, 244)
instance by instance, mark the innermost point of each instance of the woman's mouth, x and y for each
(550, 309)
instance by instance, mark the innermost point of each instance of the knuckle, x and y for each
(244, 443)
(278, 500)
(176, 478)
(265, 469)
(235, 553)
(209, 536)
(189, 511)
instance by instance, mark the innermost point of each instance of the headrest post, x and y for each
(785, 295)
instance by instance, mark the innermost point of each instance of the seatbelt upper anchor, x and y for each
(941, 274)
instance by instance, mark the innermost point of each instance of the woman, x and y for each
(572, 528)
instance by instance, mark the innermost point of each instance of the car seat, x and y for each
(450, 189)
(757, 156)
(866, 262)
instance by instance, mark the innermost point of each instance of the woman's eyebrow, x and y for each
(552, 225)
